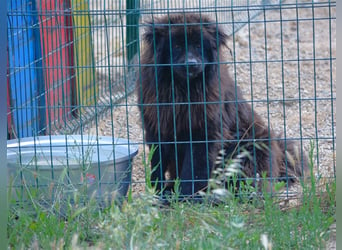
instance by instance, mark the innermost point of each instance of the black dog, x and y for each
(191, 108)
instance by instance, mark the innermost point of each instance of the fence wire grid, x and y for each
(73, 64)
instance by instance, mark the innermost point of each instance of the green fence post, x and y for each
(132, 28)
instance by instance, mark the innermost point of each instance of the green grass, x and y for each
(142, 223)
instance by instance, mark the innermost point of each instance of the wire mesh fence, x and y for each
(73, 65)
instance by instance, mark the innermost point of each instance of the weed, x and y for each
(251, 222)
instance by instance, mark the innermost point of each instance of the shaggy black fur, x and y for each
(191, 108)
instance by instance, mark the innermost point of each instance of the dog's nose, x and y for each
(194, 66)
(192, 60)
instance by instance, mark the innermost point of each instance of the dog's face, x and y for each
(190, 54)
(186, 44)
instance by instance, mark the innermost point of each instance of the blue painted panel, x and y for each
(25, 79)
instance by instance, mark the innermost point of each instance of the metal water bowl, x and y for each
(59, 166)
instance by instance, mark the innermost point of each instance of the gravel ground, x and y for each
(284, 67)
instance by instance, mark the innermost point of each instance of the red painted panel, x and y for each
(10, 128)
(55, 23)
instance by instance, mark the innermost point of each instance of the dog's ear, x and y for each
(222, 36)
(155, 31)
(217, 35)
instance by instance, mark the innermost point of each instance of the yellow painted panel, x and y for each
(86, 89)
